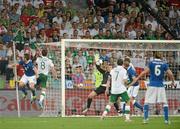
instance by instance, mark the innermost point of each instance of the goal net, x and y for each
(78, 72)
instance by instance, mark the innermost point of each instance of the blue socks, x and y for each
(124, 106)
(146, 108)
(165, 108)
(23, 89)
(165, 112)
(136, 104)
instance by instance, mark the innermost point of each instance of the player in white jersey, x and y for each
(45, 65)
(118, 89)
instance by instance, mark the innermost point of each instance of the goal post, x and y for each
(140, 51)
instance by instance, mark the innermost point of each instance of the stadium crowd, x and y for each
(28, 23)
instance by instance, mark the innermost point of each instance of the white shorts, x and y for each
(133, 91)
(155, 95)
(25, 79)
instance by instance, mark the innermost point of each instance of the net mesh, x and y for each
(82, 53)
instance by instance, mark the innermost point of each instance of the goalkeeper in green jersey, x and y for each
(44, 65)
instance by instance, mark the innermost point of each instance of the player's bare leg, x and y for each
(89, 101)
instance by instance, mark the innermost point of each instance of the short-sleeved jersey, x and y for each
(118, 75)
(28, 68)
(157, 70)
(44, 65)
(132, 73)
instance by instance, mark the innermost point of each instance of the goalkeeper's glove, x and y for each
(99, 62)
(96, 57)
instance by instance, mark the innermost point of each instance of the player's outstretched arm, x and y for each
(36, 72)
(146, 71)
(54, 73)
(107, 86)
(170, 75)
(133, 81)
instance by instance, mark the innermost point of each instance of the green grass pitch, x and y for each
(86, 123)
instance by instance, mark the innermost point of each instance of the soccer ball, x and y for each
(80, 85)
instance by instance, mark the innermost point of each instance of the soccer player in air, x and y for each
(44, 65)
(132, 89)
(155, 93)
(102, 88)
(118, 80)
(29, 77)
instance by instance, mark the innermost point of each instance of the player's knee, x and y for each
(91, 95)
(21, 84)
(31, 85)
(128, 102)
(133, 100)
(108, 107)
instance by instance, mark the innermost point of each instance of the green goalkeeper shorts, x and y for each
(42, 80)
(124, 97)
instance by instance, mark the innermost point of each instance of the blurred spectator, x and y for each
(89, 73)
(7, 37)
(68, 71)
(150, 36)
(90, 58)
(133, 8)
(100, 35)
(152, 21)
(103, 55)
(40, 10)
(75, 63)
(78, 77)
(3, 65)
(174, 12)
(58, 18)
(82, 60)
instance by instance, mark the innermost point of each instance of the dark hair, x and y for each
(44, 52)
(158, 55)
(120, 61)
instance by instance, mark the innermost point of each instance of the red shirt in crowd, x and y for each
(20, 70)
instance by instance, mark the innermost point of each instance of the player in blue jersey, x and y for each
(156, 91)
(29, 77)
(132, 89)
